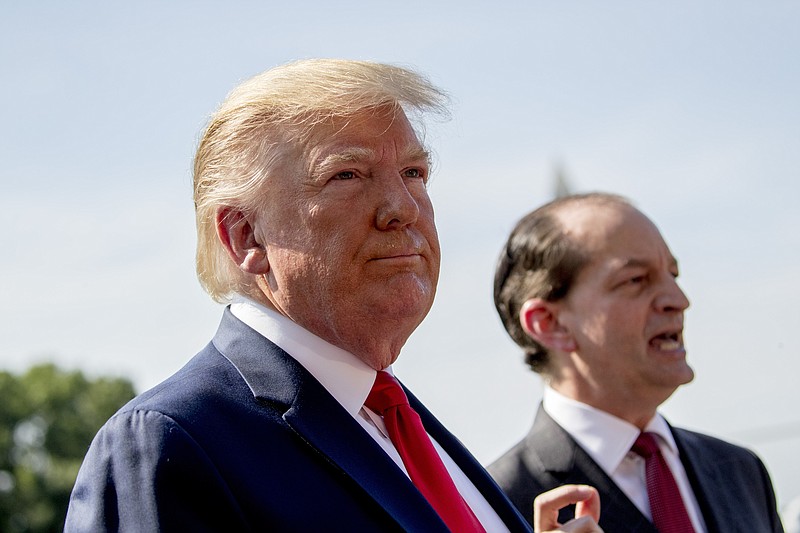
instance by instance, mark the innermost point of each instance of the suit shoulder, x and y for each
(519, 472)
(208, 379)
(140, 463)
(694, 440)
(736, 478)
(508, 465)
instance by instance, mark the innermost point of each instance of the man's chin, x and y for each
(405, 295)
(682, 374)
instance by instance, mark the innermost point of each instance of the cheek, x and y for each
(312, 229)
(425, 206)
(623, 329)
(427, 223)
(433, 241)
(590, 321)
(595, 329)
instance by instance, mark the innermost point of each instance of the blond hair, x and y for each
(261, 125)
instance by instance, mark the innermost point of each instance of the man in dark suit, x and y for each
(587, 287)
(315, 224)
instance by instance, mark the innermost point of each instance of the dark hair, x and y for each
(539, 260)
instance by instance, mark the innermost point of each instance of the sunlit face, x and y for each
(625, 310)
(350, 236)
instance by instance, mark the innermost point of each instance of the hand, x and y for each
(587, 509)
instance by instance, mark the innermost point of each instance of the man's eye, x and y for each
(637, 279)
(413, 173)
(345, 175)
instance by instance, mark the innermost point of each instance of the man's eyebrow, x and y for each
(346, 155)
(634, 262)
(355, 154)
(416, 153)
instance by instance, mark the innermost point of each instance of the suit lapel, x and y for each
(557, 453)
(326, 426)
(322, 423)
(706, 480)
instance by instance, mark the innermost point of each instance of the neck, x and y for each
(631, 408)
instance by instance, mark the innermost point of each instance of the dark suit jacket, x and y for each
(243, 438)
(731, 484)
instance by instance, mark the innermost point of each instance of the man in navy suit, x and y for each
(315, 225)
(588, 288)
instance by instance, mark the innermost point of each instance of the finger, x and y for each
(547, 504)
(590, 506)
(584, 524)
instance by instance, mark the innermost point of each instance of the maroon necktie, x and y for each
(666, 503)
(420, 458)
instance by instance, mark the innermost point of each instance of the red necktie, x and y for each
(666, 503)
(420, 458)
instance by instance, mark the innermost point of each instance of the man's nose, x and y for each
(672, 298)
(397, 206)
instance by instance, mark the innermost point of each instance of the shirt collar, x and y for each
(346, 377)
(606, 438)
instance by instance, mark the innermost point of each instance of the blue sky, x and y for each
(689, 110)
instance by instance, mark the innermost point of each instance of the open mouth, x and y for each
(667, 342)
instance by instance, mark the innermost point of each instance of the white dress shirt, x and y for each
(608, 441)
(349, 380)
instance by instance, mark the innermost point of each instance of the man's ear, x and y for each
(539, 319)
(239, 238)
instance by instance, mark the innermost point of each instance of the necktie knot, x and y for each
(645, 445)
(385, 394)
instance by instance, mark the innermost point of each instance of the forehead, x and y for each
(615, 236)
(363, 135)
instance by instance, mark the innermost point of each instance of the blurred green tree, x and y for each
(48, 417)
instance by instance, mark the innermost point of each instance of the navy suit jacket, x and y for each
(731, 484)
(243, 438)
